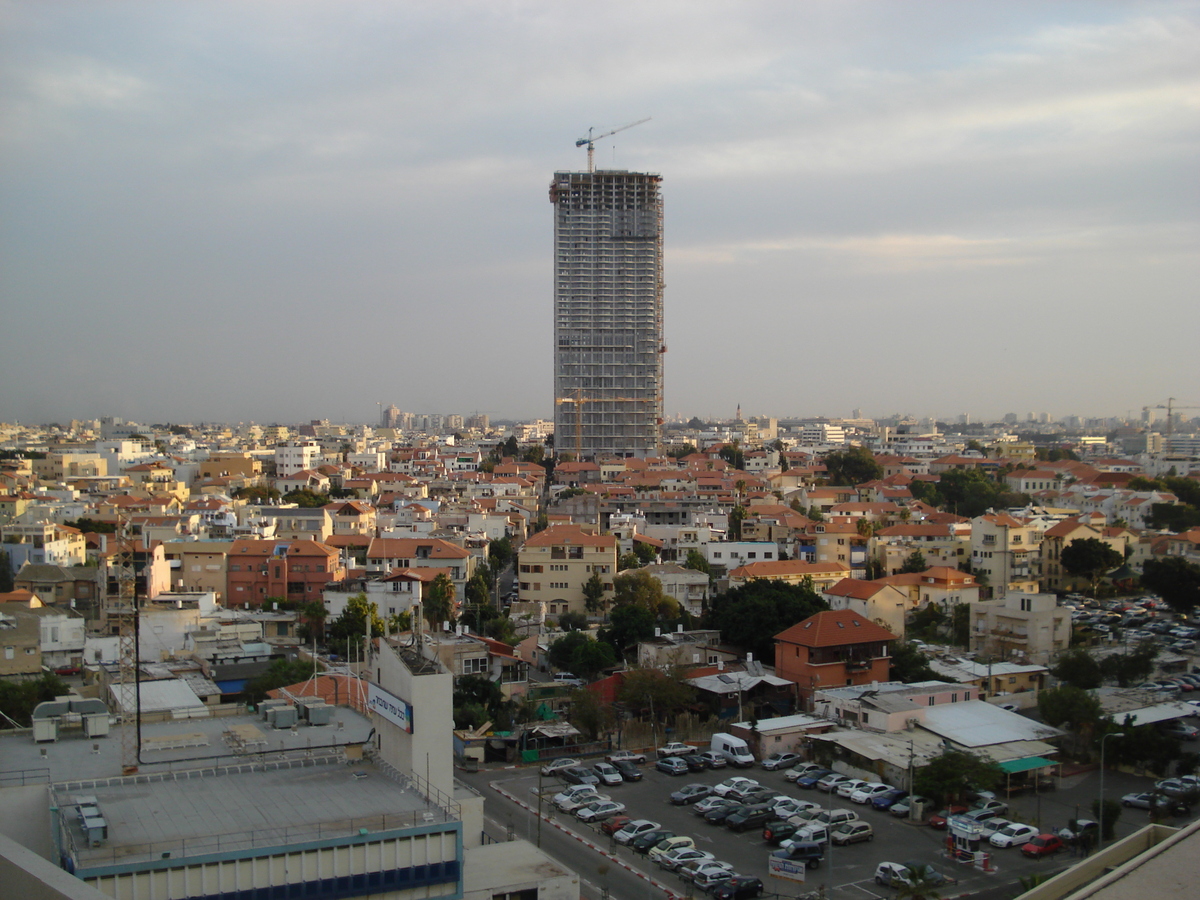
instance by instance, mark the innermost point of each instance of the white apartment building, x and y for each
(295, 456)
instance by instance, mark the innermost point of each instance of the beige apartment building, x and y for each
(554, 565)
(1005, 553)
(1021, 626)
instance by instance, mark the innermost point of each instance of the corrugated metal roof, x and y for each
(156, 695)
(974, 723)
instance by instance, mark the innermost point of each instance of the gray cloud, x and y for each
(257, 210)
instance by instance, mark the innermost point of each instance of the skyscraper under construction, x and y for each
(608, 313)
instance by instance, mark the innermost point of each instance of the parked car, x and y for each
(690, 793)
(634, 829)
(893, 874)
(847, 788)
(672, 766)
(677, 842)
(988, 827)
(996, 807)
(572, 802)
(675, 748)
(578, 775)
(673, 859)
(599, 809)
(722, 788)
(626, 756)
(788, 806)
(555, 766)
(811, 780)
(785, 759)
(1147, 800)
(1043, 845)
(608, 774)
(902, 808)
(1013, 835)
(718, 815)
(712, 801)
(1174, 787)
(835, 817)
(938, 819)
(749, 817)
(709, 876)
(1078, 828)
(612, 825)
(887, 800)
(574, 790)
(809, 832)
(628, 770)
(644, 843)
(1181, 730)
(694, 762)
(852, 833)
(829, 783)
(869, 792)
(800, 770)
(778, 830)
(713, 759)
(808, 852)
(737, 887)
(705, 870)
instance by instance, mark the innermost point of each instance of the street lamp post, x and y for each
(1100, 837)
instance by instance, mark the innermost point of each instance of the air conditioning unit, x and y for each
(910, 724)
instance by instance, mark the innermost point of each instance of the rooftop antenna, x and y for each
(591, 139)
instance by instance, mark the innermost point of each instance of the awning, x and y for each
(1012, 766)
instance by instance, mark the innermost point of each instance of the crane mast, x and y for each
(591, 139)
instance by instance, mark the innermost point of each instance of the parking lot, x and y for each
(846, 872)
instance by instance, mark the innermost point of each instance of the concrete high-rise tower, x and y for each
(608, 313)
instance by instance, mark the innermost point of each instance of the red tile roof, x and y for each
(834, 628)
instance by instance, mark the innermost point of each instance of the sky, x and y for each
(284, 211)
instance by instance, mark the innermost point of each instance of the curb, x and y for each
(591, 845)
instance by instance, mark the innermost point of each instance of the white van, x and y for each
(733, 749)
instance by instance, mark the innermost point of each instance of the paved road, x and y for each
(847, 872)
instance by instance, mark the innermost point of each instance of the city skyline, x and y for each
(220, 212)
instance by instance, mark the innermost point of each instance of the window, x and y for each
(9, 652)
(1027, 604)
(477, 666)
(929, 700)
(954, 697)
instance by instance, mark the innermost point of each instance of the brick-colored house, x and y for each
(834, 648)
(299, 570)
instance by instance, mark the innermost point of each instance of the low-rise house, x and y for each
(833, 648)
(386, 555)
(884, 604)
(554, 565)
(993, 678)
(698, 647)
(889, 706)
(687, 587)
(791, 571)
(66, 586)
(941, 544)
(941, 585)
(1031, 627)
(297, 570)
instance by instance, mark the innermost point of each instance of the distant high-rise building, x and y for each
(608, 313)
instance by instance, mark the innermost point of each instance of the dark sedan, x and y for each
(628, 770)
(810, 780)
(721, 813)
(888, 800)
(644, 842)
(737, 887)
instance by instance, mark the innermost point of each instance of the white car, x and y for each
(801, 769)
(673, 859)
(789, 806)
(705, 872)
(573, 790)
(847, 788)
(736, 783)
(630, 830)
(1013, 835)
(575, 801)
(607, 774)
(869, 792)
(991, 826)
(599, 809)
(557, 765)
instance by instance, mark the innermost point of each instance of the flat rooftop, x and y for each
(220, 810)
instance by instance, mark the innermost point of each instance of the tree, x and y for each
(501, 551)
(908, 664)
(732, 454)
(665, 694)
(737, 515)
(593, 594)
(628, 561)
(1130, 668)
(1112, 812)
(914, 562)
(477, 700)
(1174, 579)
(439, 600)
(279, 673)
(19, 698)
(696, 561)
(640, 588)
(591, 714)
(853, 466)
(573, 621)
(95, 526)
(1075, 710)
(359, 617)
(257, 495)
(578, 653)
(312, 620)
(751, 614)
(948, 777)
(927, 622)
(6, 573)
(681, 451)
(1078, 668)
(646, 553)
(306, 498)
(1090, 558)
(628, 625)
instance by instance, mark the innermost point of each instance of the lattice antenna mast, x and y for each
(591, 139)
(127, 669)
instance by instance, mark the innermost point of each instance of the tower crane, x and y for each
(579, 400)
(1170, 407)
(591, 139)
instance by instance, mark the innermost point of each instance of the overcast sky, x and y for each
(284, 211)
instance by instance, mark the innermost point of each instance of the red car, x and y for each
(1043, 845)
(939, 820)
(615, 824)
